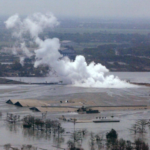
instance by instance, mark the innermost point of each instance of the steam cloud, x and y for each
(78, 71)
(32, 25)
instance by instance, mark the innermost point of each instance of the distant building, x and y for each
(69, 52)
(116, 52)
(67, 43)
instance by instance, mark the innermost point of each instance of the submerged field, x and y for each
(101, 96)
(15, 134)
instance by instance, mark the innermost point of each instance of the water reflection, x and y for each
(13, 127)
(58, 141)
(140, 130)
(36, 134)
(42, 134)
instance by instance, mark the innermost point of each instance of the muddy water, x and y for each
(142, 77)
(16, 135)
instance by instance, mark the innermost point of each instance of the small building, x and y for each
(68, 43)
(66, 51)
(27, 103)
(81, 110)
(34, 109)
(30, 103)
(11, 101)
(90, 111)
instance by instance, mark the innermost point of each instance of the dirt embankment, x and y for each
(143, 84)
(8, 81)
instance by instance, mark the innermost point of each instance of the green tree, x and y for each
(111, 139)
(16, 66)
(112, 135)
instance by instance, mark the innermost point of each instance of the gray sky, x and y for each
(79, 8)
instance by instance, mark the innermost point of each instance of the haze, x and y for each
(79, 8)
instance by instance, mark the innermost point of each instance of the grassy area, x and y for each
(94, 30)
(91, 44)
(79, 48)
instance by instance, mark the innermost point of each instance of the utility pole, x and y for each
(74, 121)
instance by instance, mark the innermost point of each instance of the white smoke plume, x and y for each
(12, 21)
(22, 61)
(78, 72)
(33, 25)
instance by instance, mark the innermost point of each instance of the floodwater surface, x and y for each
(16, 135)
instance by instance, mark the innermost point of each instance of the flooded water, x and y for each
(16, 135)
(142, 77)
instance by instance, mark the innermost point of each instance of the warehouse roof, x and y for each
(28, 103)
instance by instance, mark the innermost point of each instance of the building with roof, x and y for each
(27, 103)
(68, 43)
(69, 52)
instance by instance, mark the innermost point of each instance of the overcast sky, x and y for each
(79, 8)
